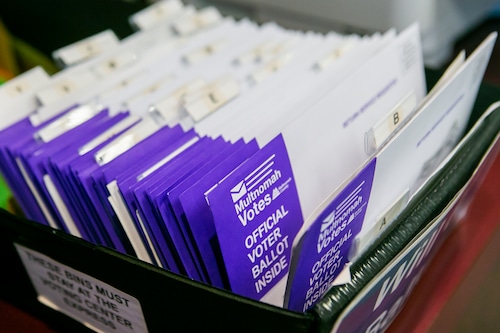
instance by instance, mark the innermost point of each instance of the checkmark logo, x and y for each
(253, 180)
(328, 221)
(238, 191)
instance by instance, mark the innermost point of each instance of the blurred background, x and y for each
(33, 29)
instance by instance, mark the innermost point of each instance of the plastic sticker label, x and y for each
(23, 84)
(63, 88)
(379, 133)
(90, 301)
(86, 48)
(155, 14)
(193, 23)
(214, 97)
(264, 72)
(336, 54)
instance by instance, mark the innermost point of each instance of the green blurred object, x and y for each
(4, 190)
(4, 194)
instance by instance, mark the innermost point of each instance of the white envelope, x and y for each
(295, 99)
(223, 120)
(327, 142)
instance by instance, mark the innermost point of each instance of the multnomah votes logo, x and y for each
(345, 212)
(253, 187)
(328, 221)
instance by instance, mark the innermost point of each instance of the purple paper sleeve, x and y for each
(155, 190)
(56, 166)
(257, 215)
(175, 192)
(322, 252)
(186, 252)
(200, 218)
(105, 174)
(36, 153)
(80, 172)
(10, 139)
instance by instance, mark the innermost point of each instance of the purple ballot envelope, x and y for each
(133, 190)
(257, 214)
(36, 151)
(199, 215)
(11, 138)
(97, 180)
(323, 250)
(178, 211)
(56, 167)
(187, 163)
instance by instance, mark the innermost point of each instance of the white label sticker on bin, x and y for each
(94, 303)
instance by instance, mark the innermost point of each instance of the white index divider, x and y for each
(99, 75)
(150, 89)
(207, 50)
(155, 14)
(254, 53)
(127, 140)
(65, 86)
(21, 85)
(86, 48)
(215, 96)
(338, 52)
(144, 39)
(119, 85)
(206, 17)
(178, 96)
(36, 194)
(116, 201)
(89, 94)
(113, 63)
(148, 239)
(297, 97)
(169, 109)
(67, 122)
(275, 49)
(61, 207)
(108, 134)
(17, 96)
(383, 220)
(77, 81)
(274, 65)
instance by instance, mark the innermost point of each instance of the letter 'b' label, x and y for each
(94, 303)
